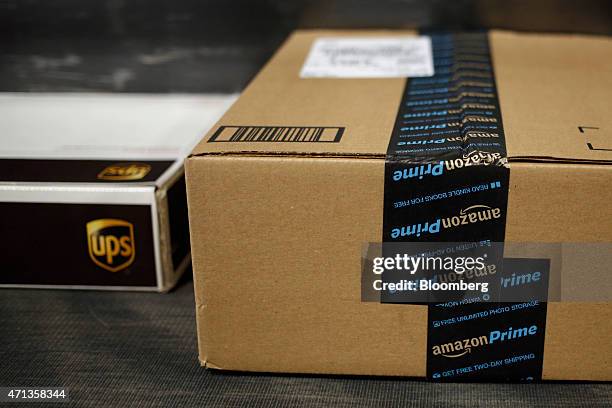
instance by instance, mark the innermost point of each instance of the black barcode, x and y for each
(316, 134)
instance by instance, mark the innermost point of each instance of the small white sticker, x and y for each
(370, 57)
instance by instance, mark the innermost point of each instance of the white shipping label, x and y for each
(370, 57)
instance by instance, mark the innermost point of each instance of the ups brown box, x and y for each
(277, 227)
(92, 188)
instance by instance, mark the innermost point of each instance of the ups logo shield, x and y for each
(111, 243)
(125, 172)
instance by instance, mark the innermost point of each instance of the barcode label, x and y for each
(313, 134)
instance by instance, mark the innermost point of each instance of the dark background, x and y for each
(218, 45)
(117, 349)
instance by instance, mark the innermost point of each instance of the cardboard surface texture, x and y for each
(277, 228)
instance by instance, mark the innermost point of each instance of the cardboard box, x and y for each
(288, 186)
(92, 188)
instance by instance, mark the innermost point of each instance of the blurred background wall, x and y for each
(218, 45)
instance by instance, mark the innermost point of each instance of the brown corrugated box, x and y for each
(278, 228)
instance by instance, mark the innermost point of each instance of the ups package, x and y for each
(92, 189)
(350, 138)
